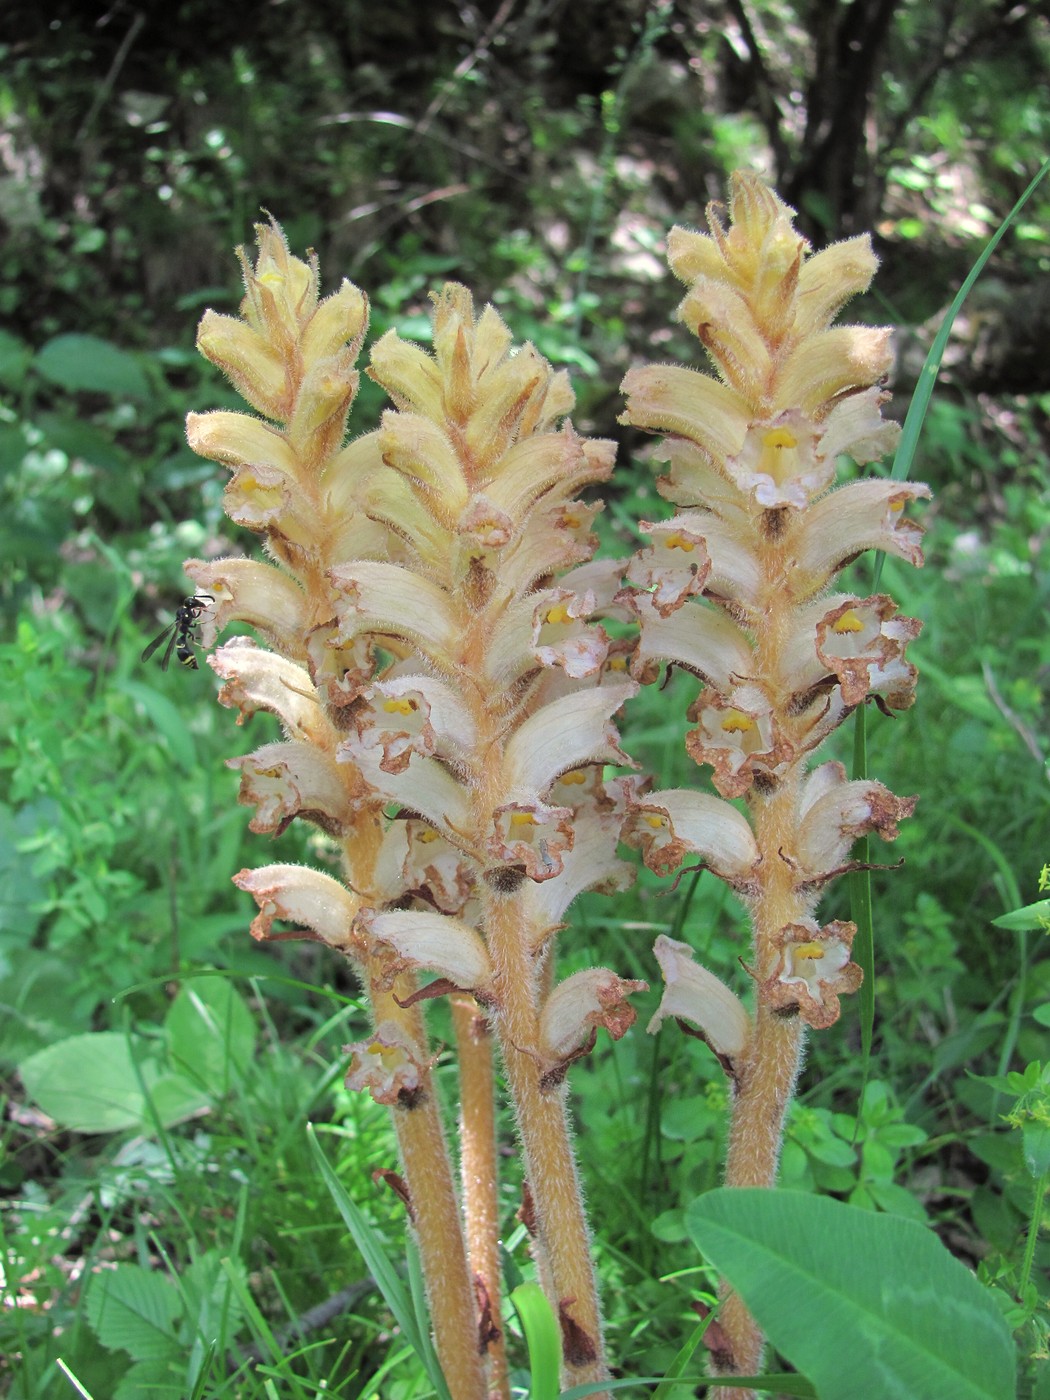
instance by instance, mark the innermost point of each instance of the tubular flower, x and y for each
(736, 589)
(812, 969)
(434, 654)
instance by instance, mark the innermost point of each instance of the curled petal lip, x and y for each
(697, 636)
(861, 515)
(416, 941)
(257, 679)
(390, 600)
(246, 590)
(673, 822)
(567, 733)
(693, 994)
(389, 1064)
(303, 896)
(672, 399)
(293, 779)
(576, 1009)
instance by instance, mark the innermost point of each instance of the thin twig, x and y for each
(1026, 735)
(310, 1321)
(107, 83)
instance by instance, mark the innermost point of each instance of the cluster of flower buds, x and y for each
(737, 590)
(447, 707)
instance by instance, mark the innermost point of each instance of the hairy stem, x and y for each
(550, 1164)
(435, 1217)
(480, 1178)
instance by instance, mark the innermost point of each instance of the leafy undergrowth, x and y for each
(164, 1226)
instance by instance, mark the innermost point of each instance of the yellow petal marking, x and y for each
(678, 542)
(813, 951)
(575, 778)
(848, 622)
(559, 613)
(522, 819)
(399, 707)
(736, 722)
(779, 457)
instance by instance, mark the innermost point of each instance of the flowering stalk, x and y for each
(294, 482)
(506, 722)
(447, 707)
(735, 589)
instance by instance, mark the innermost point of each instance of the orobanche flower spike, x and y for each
(447, 701)
(736, 590)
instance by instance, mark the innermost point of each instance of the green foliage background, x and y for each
(162, 1220)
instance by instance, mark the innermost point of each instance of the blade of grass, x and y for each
(373, 1251)
(542, 1338)
(860, 880)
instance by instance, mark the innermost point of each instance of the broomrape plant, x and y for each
(435, 654)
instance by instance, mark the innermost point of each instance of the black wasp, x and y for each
(181, 635)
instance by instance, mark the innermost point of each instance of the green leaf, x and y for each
(134, 1310)
(1030, 916)
(87, 1083)
(35, 1010)
(90, 1083)
(542, 1337)
(86, 442)
(1036, 1139)
(211, 1034)
(210, 1299)
(862, 1304)
(161, 1379)
(86, 362)
(20, 889)
(14, 358)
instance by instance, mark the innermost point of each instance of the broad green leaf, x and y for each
(20, 889)
(86, 442)
(863, 1304)
(173, 1098)
(211, 1301)
(35, 1010)
(87, 362)
(87, 1083)
(90, 1083)
(1036, 1139)
(211, 1034)
(1035, 915)
(134, 1310)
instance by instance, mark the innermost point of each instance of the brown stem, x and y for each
(767, 1070)
(546, 1143)
(480, 1178)
(436, 1221)
(765, 1083)
(428, 1174)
